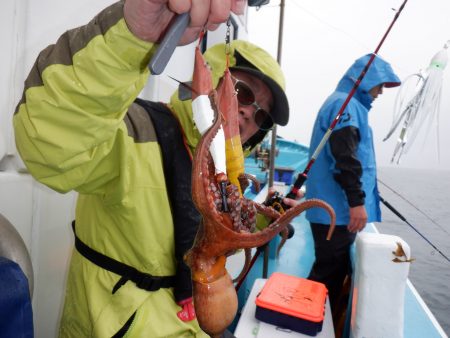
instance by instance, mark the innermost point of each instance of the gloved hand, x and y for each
(187, 312)
(183, 292)
(148, 19)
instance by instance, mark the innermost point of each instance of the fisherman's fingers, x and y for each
(147, 19)
(357, 225)
(220, 11)
(238, 6)
(208, 14)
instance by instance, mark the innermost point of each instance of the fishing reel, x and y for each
(276, 201)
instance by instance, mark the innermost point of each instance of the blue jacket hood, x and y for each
(379, 72)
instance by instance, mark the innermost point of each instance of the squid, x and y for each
(226, 226)
(203, 113)
(228, 107)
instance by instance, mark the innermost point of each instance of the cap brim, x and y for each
(280, 110)
(391, 84)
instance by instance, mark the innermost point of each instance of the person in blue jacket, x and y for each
(344, 174)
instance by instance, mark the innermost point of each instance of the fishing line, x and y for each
(415, 207)
(395, 211)
(301, 178)
(337, 29)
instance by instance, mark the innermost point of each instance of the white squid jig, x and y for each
(420, 108)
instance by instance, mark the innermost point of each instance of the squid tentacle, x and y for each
(248, 257)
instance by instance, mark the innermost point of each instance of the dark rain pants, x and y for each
(332, 262)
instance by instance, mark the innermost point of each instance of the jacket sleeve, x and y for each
(69, 125)
(344, 144)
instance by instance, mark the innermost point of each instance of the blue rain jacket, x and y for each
(321, 183)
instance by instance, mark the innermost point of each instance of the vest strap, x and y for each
(141, 279)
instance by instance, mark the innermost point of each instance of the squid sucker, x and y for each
(222, 232)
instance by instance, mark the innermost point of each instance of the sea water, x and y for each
(423, 198)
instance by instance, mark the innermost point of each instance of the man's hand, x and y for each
(287, 201)
(149, 19)
(358, 219)
(187, 312)
(293, 202)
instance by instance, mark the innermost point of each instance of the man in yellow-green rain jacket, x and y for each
(80, 127)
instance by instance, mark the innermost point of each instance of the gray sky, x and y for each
(323, 38)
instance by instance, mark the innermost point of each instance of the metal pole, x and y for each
(274, 136)
(274, 129)
(280, 31)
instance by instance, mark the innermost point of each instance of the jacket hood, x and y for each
(379, 72)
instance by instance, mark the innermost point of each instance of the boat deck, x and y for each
(297, 255)
(296, 258)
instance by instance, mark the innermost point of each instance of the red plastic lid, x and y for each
(294, 296)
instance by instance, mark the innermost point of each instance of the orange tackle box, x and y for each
(292, 302)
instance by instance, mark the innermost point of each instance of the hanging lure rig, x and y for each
(417, 104)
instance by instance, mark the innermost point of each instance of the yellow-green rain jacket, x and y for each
(77, 128)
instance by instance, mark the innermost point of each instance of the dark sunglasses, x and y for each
(246, 97)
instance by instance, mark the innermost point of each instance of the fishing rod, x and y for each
(414, 206)
(276, 200)
(301, 178)
(250, 266)
(396, 212)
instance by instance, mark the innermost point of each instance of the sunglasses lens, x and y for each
(263, 119)
(245, 95)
